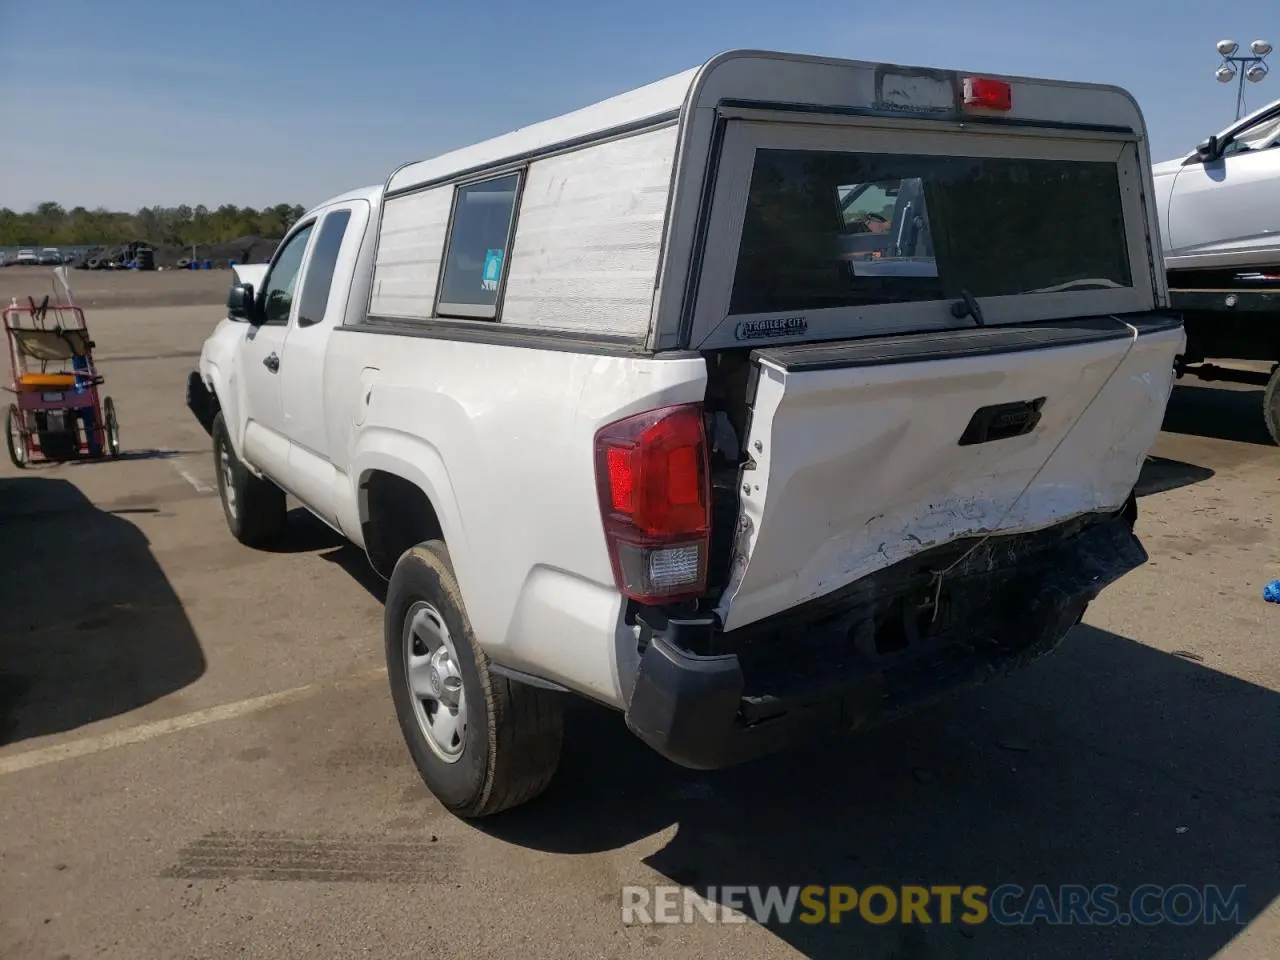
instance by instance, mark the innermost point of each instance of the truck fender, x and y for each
(219, 384)
(418, 462)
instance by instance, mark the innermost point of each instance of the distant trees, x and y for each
(49, 225)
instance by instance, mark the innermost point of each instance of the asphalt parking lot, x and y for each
(199, 758)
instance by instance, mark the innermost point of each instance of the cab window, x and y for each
(324, 261)
(1260, 136)
(278, 290)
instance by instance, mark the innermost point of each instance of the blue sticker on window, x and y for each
(492, 270)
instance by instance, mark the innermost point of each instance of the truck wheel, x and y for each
(254, 507)
(482, 743)
(200, 401)
(1271, 405)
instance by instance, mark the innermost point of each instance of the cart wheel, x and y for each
(112, 426)
(13, 433)
(1271, 404)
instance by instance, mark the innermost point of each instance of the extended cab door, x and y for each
(258, 361)
(326, 285)
(1226, 209)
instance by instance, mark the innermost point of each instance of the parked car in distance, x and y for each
(1219, 206)
(657, 403)
(26, 258)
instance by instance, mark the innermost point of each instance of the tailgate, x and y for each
(864, 453)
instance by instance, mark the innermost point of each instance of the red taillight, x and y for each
(653, 477)
(987, 93)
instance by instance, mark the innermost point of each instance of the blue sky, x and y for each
(295, 100)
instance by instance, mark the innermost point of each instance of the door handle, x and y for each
(272, 363)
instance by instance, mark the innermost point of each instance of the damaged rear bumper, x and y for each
(881, 647)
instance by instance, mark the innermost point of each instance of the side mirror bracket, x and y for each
(1209, 150)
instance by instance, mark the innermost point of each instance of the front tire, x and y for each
(254, 507)
(482, 743)
(1271, 404)
(200, 401)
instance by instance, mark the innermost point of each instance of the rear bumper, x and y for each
(706, 699)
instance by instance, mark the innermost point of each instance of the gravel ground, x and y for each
(120, 288)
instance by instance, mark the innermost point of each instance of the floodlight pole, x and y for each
(1240, 65)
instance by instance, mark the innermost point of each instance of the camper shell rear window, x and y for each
(829, 229)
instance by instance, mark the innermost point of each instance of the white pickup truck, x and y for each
(774, 398)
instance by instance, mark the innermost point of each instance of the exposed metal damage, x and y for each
(897, 636)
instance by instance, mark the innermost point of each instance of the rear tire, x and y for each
(507, 745)
(13, 436)
(1271, 405)
(254, 507)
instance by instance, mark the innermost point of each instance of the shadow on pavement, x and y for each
(1161, 474)
(1106, 762)
(137, 455)
(89, 626)
(306, 533)
(353, 560)
(1220, 412)
(303, 533)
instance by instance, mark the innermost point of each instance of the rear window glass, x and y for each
(324, 260)
(838, 229)
(478, 247)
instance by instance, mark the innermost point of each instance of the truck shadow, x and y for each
(1223, 413)
(1107, 762)
(89, 626)
(1160, 474)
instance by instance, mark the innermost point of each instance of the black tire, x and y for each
(13, 438)
(200, 402)
(1129, 512)
(255, 511)
(1271, 405)
(510, 747)
(111, 427)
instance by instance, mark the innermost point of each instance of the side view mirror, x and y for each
(1208, 151)
(241, 304)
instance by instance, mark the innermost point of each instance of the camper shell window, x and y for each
(478, 244)
(839, 229)
(866, 228)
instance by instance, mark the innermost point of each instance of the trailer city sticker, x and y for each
(773, 327)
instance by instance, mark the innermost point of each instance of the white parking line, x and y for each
(200, 485)
(56, 753)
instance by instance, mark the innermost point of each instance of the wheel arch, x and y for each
(404, 497)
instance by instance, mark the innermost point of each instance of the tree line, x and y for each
(50, 225)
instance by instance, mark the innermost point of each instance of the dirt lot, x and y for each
(99, 289)
(198, 755)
